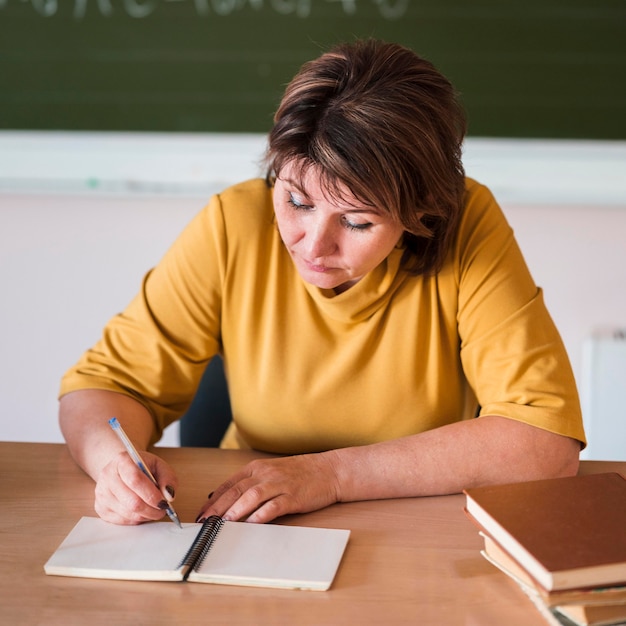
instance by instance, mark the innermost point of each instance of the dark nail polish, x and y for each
(210, 495)
(200, 518)
(171, 491)
(163, 505)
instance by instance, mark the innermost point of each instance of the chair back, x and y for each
(209, 415)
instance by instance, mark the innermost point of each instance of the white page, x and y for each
(96, 549)
(273, 555)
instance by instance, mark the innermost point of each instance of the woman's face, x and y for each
(332, 243)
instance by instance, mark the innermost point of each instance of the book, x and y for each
(498, 557)
(594, 614)
(216, 551)
(555, 606)
(551, 615)
(565, 532)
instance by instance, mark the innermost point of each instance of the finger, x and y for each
(137, 483)
(270, 510)
(121, 494)
(204, 511)
(216, 503)
(166, 478)
(220, 503)
(255, 496)
(238, 500)
(117, 510)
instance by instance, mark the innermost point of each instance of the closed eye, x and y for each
(355, 225)
(297, 204)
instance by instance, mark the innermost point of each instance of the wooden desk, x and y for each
(412, 561)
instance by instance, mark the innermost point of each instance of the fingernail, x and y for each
(171, 491)
(210, 495)
(163, 505)
(200, 518)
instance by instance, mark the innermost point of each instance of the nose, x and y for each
(320, 238)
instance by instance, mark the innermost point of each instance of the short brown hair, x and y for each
(384, 122)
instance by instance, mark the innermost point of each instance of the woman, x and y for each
(367, 298)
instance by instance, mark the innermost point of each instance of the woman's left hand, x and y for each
(268, 488)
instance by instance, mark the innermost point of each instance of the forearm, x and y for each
(84, 417)
(446, 460)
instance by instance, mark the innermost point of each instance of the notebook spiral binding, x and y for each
(202, 543)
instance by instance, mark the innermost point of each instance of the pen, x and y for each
(134, 455)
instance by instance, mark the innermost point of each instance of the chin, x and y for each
(338, 286)
(323, 284)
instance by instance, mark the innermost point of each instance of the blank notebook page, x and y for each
(96, 548)
(263, 552)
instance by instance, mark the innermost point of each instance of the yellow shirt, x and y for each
(309, 370)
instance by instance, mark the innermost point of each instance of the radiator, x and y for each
(603, 395)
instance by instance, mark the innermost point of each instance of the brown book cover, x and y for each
(565, 532)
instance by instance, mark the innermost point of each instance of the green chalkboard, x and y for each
(525, 68)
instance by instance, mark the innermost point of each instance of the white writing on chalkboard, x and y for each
(387, 9)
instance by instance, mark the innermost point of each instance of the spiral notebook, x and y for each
(216, 551)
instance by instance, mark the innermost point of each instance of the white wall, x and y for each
(82, 217)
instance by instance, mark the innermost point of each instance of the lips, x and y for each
(315, 267)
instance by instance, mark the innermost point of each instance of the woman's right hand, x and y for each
(125, 495)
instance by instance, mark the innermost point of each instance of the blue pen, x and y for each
(134, 455)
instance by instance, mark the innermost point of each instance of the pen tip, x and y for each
(174, 517)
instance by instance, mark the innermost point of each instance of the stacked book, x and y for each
(562, 540)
